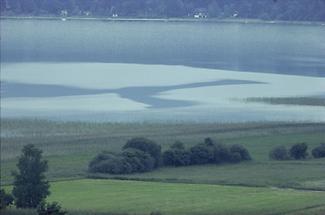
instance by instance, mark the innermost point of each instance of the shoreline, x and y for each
(189, 20)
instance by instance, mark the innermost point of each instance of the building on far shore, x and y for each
(200, 15)
(64, 13)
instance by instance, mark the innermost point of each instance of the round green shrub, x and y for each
(319, 151)
(279, 153)
(147, 146)
(299, 151)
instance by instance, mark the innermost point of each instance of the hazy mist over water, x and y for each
(276, 48)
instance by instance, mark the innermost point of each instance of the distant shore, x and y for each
(201, 20)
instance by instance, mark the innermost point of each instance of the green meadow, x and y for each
(260, 186)
(173, 198)
(138, 197)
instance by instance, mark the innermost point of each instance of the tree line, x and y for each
(291, 10)
(144, 155)
(297, 151)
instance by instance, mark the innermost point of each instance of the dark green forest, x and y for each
(290, 10)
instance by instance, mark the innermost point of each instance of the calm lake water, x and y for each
(141, 70)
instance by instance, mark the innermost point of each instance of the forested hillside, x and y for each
(297, 10)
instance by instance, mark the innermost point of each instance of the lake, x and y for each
(159, 71)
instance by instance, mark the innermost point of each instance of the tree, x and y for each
(174, 8)
(139, 160)
(168, 158)
(235, 157)
(5, 199)
(138, 155)
(214, 9)
(182, 158)
(241, 150)
(208, 141)
(107, 162)
(147, 146)
(129, 161)
(299, 151)
(96, 164)
(319, 151)
(279, 153)
(177, 155)
(202, 154)
(221, 153)
(30, 184)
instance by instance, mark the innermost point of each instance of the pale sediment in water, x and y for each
(167, 92)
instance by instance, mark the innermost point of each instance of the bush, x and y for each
(129, 161)
(50, 209)
(147, 146)
(235, 157)
(279, 153)
(177, 155)
(114, 165)
(208, 141)
(221, 153)
(168, 158)
(5, 199)
(241, 150)
(202, 154)
(103, 156)
(140, 161)
(319, 151)
(299, 151)
(182, 158)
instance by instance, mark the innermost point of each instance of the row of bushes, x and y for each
(143, 155)
(204, 153)
(298, 151)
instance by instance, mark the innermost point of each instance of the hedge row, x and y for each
(143, 155)
(297, 152)
(204, 153)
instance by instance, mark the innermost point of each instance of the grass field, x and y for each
(70, 146)
(197, 189)
(259, 172)
(135, 197)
